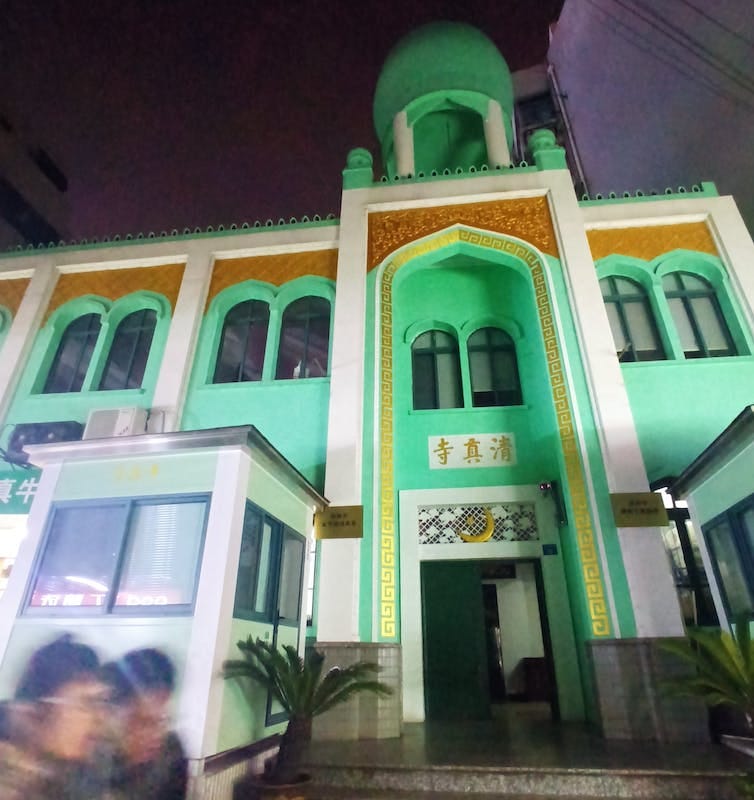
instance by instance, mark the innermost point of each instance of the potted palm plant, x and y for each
(304, 692)
(723, 673)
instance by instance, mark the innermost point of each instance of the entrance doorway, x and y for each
(486, 638)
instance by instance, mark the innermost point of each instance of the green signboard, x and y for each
(17, 489)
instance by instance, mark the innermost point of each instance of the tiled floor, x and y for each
(524, 736)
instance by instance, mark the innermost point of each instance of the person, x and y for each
(52, 725)
(148, 761)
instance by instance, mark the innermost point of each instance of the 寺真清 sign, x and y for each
(472, 450)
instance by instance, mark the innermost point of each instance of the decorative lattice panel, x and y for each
(448, 524)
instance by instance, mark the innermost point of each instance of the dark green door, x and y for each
(456, 683)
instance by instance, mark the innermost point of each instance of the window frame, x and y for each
(279, 533)
(743, 548)
(249, 328)
(434, 352)
(109, 609)
(281, 330)
(48, 341)
(686, 295)
(87, 338)
(490, 349)
(619, 301)
(108, 355)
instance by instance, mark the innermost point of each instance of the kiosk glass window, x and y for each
(726, 554)
(128, 556)
(270, 571)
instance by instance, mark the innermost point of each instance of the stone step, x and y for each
(514, 783)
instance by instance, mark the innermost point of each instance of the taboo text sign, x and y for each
(339, 522)
(638, 510)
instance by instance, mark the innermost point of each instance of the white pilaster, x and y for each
(647, 567)
(338, 597)
(20, 338)
(178, 356)
(736, 247)
(403, 145)
(202, 690)
(498, 153)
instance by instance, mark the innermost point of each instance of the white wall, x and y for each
(520, 626)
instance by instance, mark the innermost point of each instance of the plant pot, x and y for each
(744, 744)
(256, 787)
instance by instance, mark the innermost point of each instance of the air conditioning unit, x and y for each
(40, 433)
(104, 423)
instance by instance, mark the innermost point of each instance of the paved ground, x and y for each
(525, 737)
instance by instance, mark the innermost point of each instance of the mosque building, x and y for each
(481, 385)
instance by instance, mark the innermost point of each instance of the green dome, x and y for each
(436, 57)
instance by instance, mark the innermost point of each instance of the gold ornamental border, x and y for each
(595, 592)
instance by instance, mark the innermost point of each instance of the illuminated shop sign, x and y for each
(17, 490)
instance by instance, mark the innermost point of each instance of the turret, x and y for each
(444, 99)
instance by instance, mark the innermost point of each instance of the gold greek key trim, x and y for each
(582, 521)
(526, 218)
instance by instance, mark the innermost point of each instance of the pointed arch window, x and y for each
(242, 343)
(436, 371)
(129, 351)
(304, 339)
(631, 320)
(71, 360)
(697, 315)
(493, 369)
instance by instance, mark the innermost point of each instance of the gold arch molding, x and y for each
(582, 520)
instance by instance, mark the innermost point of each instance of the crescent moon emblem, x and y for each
(486, 534)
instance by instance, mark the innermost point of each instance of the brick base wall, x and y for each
(631, 703)
(365, 716)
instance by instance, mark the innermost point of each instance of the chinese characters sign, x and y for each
(638, 510)
(339, 522)
(17, 490)
(472, 450)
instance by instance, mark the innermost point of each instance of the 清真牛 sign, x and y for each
(638, 510)
(339, 522)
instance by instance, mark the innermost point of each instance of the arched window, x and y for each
(697, 315)
(304, 339)
(129, 351)
(631, 320)
(71, 361)
(493, 369)
(242, 343)
(436, 371)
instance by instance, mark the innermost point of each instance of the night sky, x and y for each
(174, 113)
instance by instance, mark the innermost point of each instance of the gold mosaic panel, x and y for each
(526, 218)
(649, 241)
(113, 284)
(582, 521)
(12, 292)
(276, 269)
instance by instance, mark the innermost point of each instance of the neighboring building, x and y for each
(33, 207)
(656, 92)
(474, 356)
